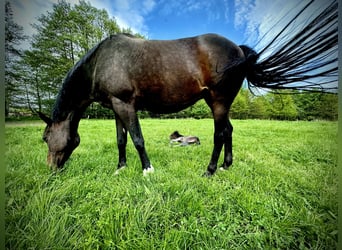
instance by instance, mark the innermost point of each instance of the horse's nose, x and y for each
(54, 161)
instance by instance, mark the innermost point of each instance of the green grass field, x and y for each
(280, 193)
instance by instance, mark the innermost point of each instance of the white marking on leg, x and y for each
(148, 170)
(119, 170)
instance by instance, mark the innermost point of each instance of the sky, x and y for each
(242, 21)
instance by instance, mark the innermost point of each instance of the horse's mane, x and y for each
(78, 81)
(74, 85)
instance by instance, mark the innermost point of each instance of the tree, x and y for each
(13, 37)
(63, 36)
(282, 106)
(328, 107)
(240, 106)
(259, 108)
(317, 106)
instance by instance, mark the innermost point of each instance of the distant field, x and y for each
(280, 193)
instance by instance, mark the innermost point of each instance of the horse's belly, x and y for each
(163, 108)
(168, 101)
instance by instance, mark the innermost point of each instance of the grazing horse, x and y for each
(127, 74)
(176, 137)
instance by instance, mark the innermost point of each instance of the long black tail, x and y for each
(307, 61)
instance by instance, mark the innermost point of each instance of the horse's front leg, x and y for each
(126, 113)
(121, 137)
(139, 143)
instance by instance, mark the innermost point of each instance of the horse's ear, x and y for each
(46, 119)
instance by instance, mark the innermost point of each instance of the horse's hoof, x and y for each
(147, 171)
(119, 170)
(207, 174)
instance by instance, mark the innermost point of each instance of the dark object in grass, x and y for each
(182, 140)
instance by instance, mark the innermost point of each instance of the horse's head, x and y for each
(61, 141)
(175, 135)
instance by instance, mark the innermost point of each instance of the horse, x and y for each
(176, 137)
(127, 74)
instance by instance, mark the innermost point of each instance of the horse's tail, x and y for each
(307, 61)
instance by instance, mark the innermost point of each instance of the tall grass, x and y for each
(281, 191)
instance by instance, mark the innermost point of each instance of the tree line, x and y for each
(285, 106)
(272, 105)
(63, 35)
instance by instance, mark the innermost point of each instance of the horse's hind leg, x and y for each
(121, 136)
(228, 148)
(222, 136)
(218, 144)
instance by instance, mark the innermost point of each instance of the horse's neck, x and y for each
(67, 108)
(73, 117)
(71, 102)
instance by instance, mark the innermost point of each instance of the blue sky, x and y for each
(242, 21)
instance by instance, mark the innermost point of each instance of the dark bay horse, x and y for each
(127, 74)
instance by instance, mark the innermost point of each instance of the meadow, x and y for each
(280, 192)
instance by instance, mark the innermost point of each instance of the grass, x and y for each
(280, 193)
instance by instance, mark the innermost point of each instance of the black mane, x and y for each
(76, 85)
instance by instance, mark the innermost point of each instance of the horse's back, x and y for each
(125, 48)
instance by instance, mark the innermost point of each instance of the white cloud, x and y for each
(210, 10)
(148, 5)
(226, 10)
(128, 13)
(242, 12)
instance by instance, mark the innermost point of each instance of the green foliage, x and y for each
(64, 34)
(259, 107)
(13, 37)
(198, 111)
(240, 108)
(285, 106)
(95, 110)
(282, 107)
(276, 106)
(315, 105)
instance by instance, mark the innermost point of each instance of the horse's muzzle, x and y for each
(55, 160)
